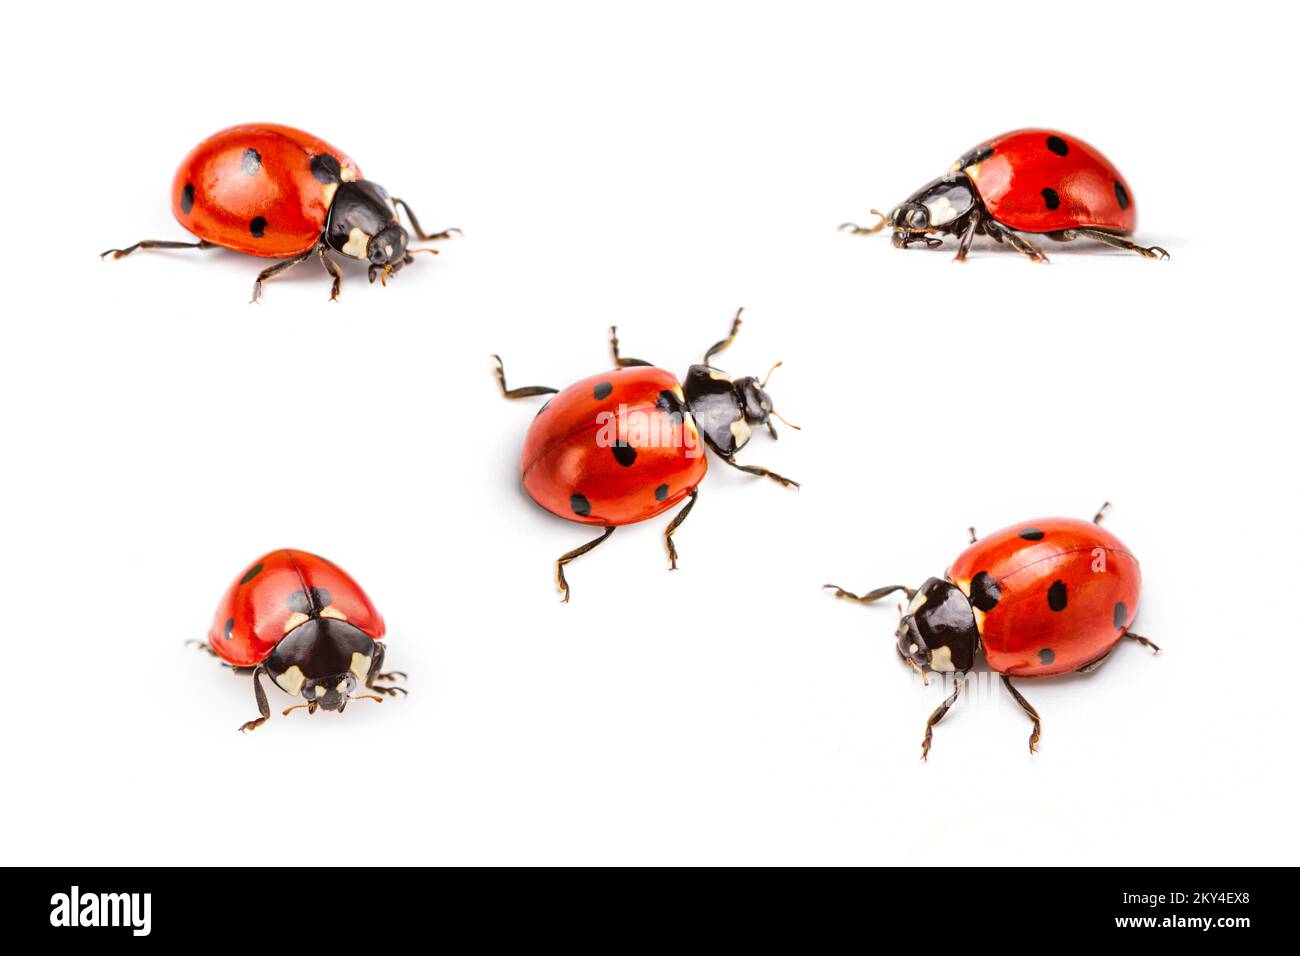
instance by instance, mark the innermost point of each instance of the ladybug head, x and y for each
(937, 632)
(755, 403)
(330, 693)
(938, 206)
(363, 225)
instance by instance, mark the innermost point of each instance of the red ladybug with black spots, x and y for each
(625, 445)
(303, 622)
(1031, 180)
(1041, 598)
(279, 193)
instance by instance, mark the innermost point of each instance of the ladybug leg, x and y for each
(871, 597)
(673, 526)
(939, 714)
(620, 361)
(156, 244)
(374, 674)
(262, 706)
(420, 233)
(332, 268)
(1101, 512)
(1017, 242)
(725, 343)
(272, 271)
(968, 236)
(1143, 641)
(1117, 242)
(522, 392)
(569, 556)
(1032, 714)
(765, 472)
(203, 647)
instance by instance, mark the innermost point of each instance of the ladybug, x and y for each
(1030, 180)
(304, 623)
(279, 193)
(1041, 598)
(624, 445)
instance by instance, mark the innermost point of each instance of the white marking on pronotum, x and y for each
(360, 665)
(941, 659)
(291, 681)
(740, 431)
(941, 211)
(915, 604)
(103, 909)
(718, 375)
(357, 243)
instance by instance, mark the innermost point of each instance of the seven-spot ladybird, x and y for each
(280, 193)
(1031, 180)
(308, 626)
(624, 445)
(1040, 598)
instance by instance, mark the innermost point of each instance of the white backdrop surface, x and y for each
(654, 166)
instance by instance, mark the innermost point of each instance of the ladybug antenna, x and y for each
(432, 252)
(864, 230)
(777, 416)
(768, 376)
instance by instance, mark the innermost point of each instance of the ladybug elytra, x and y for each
(1031, 180)
(304, 623)
(1042, 598)
(624, 445)
(279, 193)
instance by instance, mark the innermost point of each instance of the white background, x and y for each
(654, 166)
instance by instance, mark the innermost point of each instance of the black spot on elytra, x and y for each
(187, 198)
(300, 602)
(1031, 534)
(985, 591)
(1121, 195)
(661, 493)
(624, 454)
(1056, 596)
(258, 227)
(1051, 198)
(230, 627)
(251, 162)
(603, 390)
(1057, 145)
(1121, 614)
(251, 573)
(1046, 655)
(326, 169)
(580, 505)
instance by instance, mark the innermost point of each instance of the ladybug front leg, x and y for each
(871, 597)
(968, 236)
(524, 391)
(420, 233)
(1032, 714)
(262, 706)
(1017, 242)
(764, 472)
(676, 522)
(571, 555)
(156, 244)
(332, 268)
(725, 343)
(374, 674)
(857, 230)
(620, 361)
(273, 271)
(1117, 242)
(939, 714)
